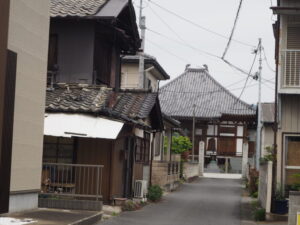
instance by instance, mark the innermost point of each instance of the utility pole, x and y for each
(142, 25)
(259, 125)
(194, 121)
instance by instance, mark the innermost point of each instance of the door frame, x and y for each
(285, 137)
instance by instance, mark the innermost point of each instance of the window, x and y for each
(103, 60)
(292, 159)
(52, 52)
(58, 150)
(142, 149)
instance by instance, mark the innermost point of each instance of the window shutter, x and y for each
(292, 67)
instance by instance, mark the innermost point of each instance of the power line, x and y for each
(169, 52)
(250, 71)
(188, 62)
(208, 92)
(267, 61)
(197, 25)
(233, 29)
(184, 44)
(166, 24)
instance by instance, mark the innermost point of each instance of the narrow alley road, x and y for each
(204, 202)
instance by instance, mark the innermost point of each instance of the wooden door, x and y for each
(227, 146)
(97, 152)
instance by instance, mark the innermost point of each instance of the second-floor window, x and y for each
(52, 52)
(102, 61)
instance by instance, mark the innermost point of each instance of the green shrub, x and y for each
(130, 206)
(255, 204)
(254, 194)
(260, 214)
(154, 193)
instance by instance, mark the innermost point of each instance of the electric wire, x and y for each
(250, 71)
(197, 25)
(267, 61)
(184, 44)
(233, 29)
(169, 52)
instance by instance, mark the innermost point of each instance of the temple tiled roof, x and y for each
(197, 87)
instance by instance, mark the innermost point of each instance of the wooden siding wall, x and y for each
(138, 171)
(118, 157)
(97, 152)
(230, 144)
(290, 115)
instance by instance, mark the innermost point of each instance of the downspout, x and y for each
(275, 128)
(151, 159)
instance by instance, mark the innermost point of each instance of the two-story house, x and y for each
(287, 34)
(154, 73)
(164, 170)
(24, 31)
(97, 136)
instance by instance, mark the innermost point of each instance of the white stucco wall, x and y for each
(130, 77)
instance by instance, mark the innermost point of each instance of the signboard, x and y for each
(198, 131)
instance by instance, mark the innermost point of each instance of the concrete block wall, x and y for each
(190, 170)
(294, 207)
(265, 185)
(160, 176)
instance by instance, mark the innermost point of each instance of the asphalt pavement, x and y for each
(206, 201)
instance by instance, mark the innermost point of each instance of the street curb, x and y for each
(88, 220)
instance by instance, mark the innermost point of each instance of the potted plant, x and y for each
(280, 203)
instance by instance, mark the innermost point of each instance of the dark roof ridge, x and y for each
(135, 91)
(268, 103)
(184, 74)
(191, 69)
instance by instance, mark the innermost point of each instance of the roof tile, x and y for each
(196, 86)
(80, 8)
(101, 100)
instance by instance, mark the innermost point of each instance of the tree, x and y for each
(180, 144)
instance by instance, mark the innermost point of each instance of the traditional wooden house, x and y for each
(87, 126)
(221, 119)
(97, 137)
(164, 168)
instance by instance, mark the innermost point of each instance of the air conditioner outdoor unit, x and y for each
(140, 188)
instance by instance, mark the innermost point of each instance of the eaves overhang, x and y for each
(282, 10)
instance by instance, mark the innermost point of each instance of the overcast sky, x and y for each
(255, 22)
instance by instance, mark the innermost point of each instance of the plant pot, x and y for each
(185, 155)
(281, 207)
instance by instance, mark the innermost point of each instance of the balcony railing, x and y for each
(290, 68)
(72, 180)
